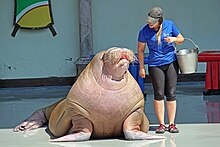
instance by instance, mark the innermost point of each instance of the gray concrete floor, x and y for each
(198, 118)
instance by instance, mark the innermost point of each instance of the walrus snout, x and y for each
(115, 54)
(124, 57)
(129, 55)
(123, 63)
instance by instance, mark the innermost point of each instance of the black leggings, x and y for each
(164, 79)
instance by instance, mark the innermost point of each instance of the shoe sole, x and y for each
(174, 131)
(160, 132)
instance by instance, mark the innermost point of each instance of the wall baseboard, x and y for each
(35, 82)
(68, 81)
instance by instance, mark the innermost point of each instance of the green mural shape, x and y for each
(33, 14)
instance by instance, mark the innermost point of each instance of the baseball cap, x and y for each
(155, 14)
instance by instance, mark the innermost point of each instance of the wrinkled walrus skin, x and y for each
(104, 102)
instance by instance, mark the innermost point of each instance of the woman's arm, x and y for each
(141, 47)
(178, 39)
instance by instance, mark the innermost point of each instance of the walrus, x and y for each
(104, 102)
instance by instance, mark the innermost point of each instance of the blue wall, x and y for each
(37, 54)
(117, 22)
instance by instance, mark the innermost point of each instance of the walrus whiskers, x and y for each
(113, 55)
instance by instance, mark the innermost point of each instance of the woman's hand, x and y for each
(142, 73)
(170, 39)
(178, 39)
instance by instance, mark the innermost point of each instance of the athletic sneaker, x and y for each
(173, 128)
(161, 129)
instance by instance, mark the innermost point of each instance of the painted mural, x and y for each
(33, 14)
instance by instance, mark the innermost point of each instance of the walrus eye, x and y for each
(104, 58)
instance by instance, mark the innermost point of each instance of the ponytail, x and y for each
(158, 35)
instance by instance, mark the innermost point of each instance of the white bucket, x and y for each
(188, 59)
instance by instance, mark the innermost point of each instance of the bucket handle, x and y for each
(192, 42)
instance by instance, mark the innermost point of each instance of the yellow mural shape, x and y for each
(33, 15)
(39, 16)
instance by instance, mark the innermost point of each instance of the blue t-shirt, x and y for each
(164, 53)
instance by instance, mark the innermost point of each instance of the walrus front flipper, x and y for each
(73, 137)
(135, 126)
(81, 130)
(139, 135)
